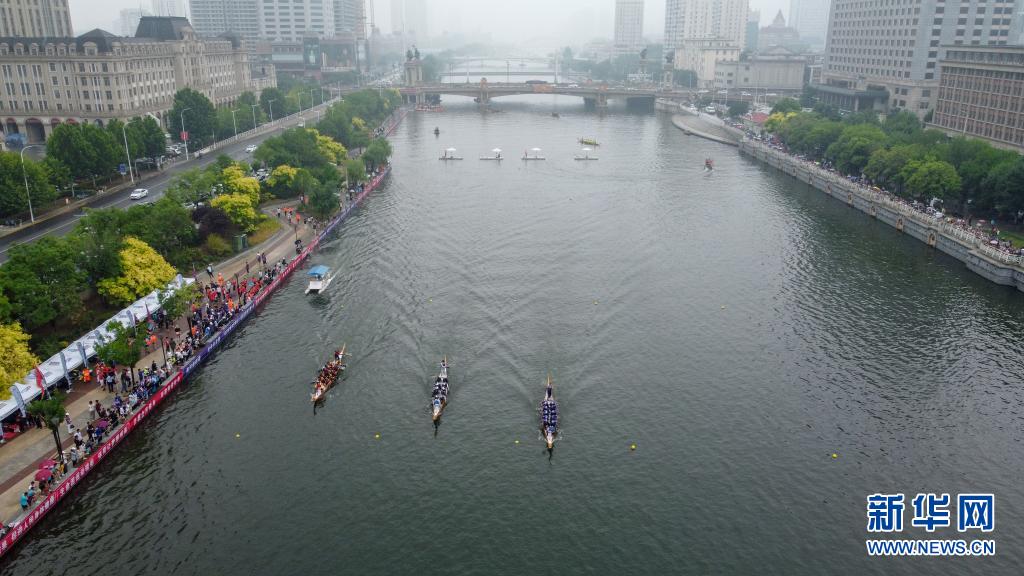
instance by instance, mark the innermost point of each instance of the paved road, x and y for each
(156, 184)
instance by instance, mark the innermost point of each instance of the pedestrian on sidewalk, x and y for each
(92, 411)
(209, 270)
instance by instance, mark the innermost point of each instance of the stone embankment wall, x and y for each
(985, 260)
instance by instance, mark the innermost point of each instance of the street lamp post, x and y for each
(270, 104)
(234, 123)
(56, 437)
(127, 154)
(184, 133)
(311, 97)
(254, 125)
(24, 174)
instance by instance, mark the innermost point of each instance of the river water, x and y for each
(738, 328)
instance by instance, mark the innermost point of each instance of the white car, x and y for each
(138, 194)
(250, 148)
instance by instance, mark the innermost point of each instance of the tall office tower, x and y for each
(350, 16)
(705, 19)
(410, 17)
(128, 21)
(889, 63)
(629, 26)
(810, 18)
(753, 28)
(168, 8)
(293, 20)
(35, 19)
(213, 17)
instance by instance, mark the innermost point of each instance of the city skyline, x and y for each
(575, 20)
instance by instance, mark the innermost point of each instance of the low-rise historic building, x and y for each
(97, 77)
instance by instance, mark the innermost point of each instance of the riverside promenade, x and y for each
(18, 467)
(20, 457)
(955, 240)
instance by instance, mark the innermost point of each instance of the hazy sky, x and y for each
(505, 20)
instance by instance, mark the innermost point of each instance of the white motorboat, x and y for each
(320, 278)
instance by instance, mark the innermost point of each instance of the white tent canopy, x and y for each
(53, 370)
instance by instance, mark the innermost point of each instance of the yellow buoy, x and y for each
(723, 306)
(238, 435)
(834, 455)
(377, 435)
(517, 441)
(632, 446)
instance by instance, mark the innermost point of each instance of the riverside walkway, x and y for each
(698, 126)
(20, 457)
(948, 235)
(19, 462)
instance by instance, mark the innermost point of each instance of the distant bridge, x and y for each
(498, 73)
(593, 95)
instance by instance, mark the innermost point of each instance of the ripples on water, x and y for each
(738, 327)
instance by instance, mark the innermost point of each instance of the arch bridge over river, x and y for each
(593, 95)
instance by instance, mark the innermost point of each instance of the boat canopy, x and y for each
(319, 271)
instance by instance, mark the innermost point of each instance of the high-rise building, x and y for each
(705, 19)
(753, 28)
(629, 26)
(98, 76)
(35, 18)
(350, 16)
(293, 20)
(979, 94)
(810, 18)
(410, 17)
(168, 8)
(213, 17)
(128, 21)
(889, 63)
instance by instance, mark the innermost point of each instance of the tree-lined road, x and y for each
(157, 184)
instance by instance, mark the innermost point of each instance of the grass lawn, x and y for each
(264, 230)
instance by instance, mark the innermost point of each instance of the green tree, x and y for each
(200, 118)
(125, 348)
(1003, 187)
(885, 166)
(16, 359)
(901, 125)
(50, 410)
(165, 226)
(194, 185)
(355, 172)
(42, 282)
(97, 239)
(150, 136)
(377, 153)
(323, 200)
(851, 151)
(88, 151)
(739, 108)
(13, 199)
(273, 103)
(786, 105)
(928, 179)
(178, 302)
